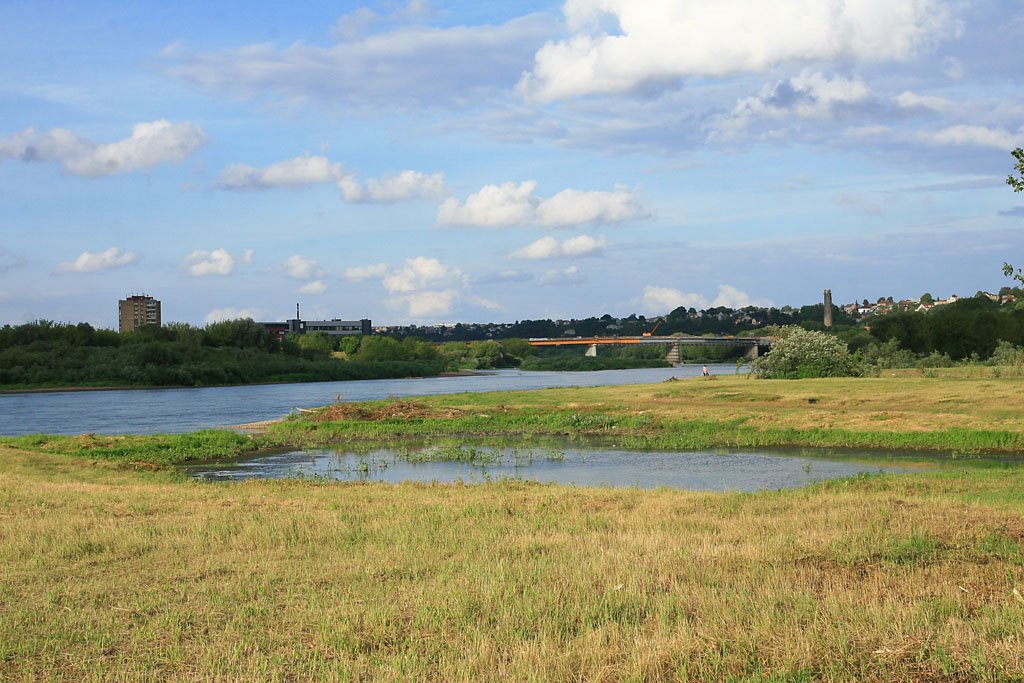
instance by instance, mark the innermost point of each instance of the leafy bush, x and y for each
(798, 353)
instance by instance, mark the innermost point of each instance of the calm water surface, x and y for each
(186, 410)
(718, 470)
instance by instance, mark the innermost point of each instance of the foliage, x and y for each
(798, 353)
(1017, 182)
(47, 354)
(959, 330)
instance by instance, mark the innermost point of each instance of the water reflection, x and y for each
(717, 470)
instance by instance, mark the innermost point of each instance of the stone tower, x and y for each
(828, 308)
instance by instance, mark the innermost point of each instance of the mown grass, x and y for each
(112, 574)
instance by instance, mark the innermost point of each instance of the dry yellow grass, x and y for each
(114, 575)
(902, 403)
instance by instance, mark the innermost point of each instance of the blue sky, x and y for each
(421, 162)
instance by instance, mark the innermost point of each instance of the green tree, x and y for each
(798, 353)
(927, 298)
(520, 348)
(316, 345)
(1017, 183)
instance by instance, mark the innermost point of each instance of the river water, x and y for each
(147, 411)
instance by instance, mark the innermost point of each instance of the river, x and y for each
(148, 411)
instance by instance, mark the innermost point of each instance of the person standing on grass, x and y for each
(705, 371)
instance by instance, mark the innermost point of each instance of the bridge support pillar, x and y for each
(673, 355)
(752, 352)
(591, 351)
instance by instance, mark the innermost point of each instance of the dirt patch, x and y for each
(393, 410)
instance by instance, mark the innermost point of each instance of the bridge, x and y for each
(755, 345)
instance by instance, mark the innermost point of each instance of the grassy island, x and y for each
(117, 566)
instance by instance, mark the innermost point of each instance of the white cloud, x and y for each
(977, 136)
(427, 303)
(397, 187)
(809, 95)
(301, 268)
(354, 24)
(544, 248)
(953, 68)
(300, 171)
(88, 262)
(150, 144)
(731, 297)
(481, 302)
(410, 66)
(216, 262)
(314, 287)
(509, 204)
(659, 41)
(421, 273)
(911, 100)
(862, 132)
(549, 247)
(360, 273)
(228, 313)
(424, 287)
(662, 300)
(306, 171)
(558, 278)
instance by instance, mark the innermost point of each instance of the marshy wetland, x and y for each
(119, 565)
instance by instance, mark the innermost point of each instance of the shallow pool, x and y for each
(717, 470)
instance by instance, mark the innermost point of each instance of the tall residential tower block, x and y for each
(136, 311)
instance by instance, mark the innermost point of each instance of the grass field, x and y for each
(113, 570)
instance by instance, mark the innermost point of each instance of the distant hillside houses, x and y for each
(925, 303)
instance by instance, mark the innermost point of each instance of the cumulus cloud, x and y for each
(314, 287)
(300, 171)
(150, 144)
(217, 262)
(661, 300)
(393, 188)
(423, 287)
(408, 65)
(88, 262)
(561, 277)
(421, 273)
(307, 170)
(360, 273)
(509, 204)
(976, 136)
(427, 303)
(220, 314)
(302, 268)
(549, 247)
(809, 95)
(662, 41)
(911, 100)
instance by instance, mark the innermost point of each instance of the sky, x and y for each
(422, 161)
